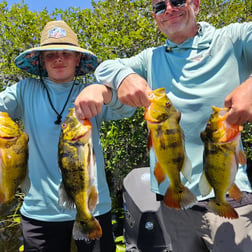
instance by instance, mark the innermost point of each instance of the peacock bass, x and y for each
(13, 162)
(167, 138)
(76, 162)
(220, 162)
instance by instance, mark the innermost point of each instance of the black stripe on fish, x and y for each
(178, 160)
(171, 131)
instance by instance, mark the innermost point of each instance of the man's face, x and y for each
(177, 21)
(60, 65)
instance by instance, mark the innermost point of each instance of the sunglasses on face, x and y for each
(160, 7)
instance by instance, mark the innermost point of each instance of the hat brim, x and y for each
(28, 61)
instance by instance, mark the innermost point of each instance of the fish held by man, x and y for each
(13, 163)
(76, 162)
(167, 139)
(221, 157)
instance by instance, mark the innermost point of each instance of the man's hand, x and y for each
(91, 99)
(240, 104)
(133, 91)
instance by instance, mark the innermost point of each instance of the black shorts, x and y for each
(56, 236)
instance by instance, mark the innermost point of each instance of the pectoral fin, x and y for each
(25, 186)
(242, 157)
(204, 186)
(187, 169)
(149, 141)
(64, 200)
(235, 193)
(159, 174)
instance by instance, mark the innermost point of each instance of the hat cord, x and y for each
(59, 115)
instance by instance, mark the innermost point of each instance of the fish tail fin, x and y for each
(88, 230)
(222, 209)
(181, 198)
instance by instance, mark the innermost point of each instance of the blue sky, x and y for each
(39, 5)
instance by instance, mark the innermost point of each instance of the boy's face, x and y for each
(60, 65)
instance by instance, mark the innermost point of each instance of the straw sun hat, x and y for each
(56, 35)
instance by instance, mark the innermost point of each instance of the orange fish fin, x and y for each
(87, 122)
(149, 141)
(222, 209)
(204, 186)
(235, 193)
(159, 174)
(242, 157)
(179, 198)
(187, 169)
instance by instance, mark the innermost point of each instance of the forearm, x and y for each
(107, 94)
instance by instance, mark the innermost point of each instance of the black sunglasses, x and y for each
(160, 7)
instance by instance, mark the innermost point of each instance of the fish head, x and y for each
(218, 130)
(74, 130)
(160, 106)
(9, 130)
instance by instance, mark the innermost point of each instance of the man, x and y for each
(200, 67)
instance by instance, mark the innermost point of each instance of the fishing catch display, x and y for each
(76, 162)
(13, 162)
(222, 154)
(167, 138)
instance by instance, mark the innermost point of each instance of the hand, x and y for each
(240, 104)
(133, 91)
(91, 99)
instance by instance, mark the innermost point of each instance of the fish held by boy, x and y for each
(76, 162)
(167, 138)
(221, 157)
(13, 162)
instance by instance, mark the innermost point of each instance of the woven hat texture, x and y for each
(56, 35)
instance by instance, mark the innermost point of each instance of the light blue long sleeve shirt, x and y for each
(197, 75)
(28, 101)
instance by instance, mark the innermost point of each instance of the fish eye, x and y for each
(63, 125)
(168, 104)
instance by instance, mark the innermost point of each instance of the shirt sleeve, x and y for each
(112, 72)
(10, 101)
(241, 33)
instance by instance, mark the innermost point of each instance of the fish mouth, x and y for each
(159, 119)
(81, 136)
(78, 138)
(11, 138)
